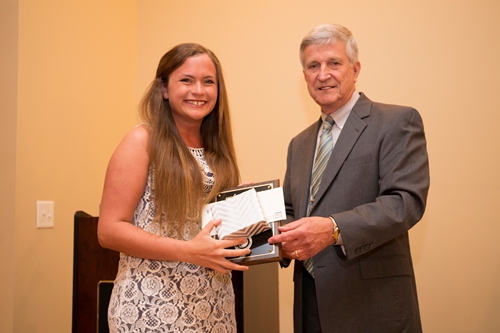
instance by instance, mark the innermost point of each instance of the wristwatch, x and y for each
(336, 231)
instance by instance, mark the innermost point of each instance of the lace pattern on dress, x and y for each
(208, 178)
(170, 296)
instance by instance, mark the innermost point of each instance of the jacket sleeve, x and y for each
(400, 162)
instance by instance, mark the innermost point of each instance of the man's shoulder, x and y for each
(385, 107)
(381, 106)
(366, 107)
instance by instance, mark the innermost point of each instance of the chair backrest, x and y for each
(92, 265)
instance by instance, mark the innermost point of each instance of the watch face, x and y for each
(335, 232)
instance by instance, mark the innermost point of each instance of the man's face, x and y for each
(329, 75)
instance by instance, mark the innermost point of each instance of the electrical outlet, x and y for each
(45, 214)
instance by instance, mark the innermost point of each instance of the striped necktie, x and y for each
(322, 157)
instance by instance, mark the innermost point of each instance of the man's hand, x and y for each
(304, 238)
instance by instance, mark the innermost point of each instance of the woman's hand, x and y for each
(203, 250)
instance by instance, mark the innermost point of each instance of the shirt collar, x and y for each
(340, 116)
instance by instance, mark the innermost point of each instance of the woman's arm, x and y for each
(124, 185)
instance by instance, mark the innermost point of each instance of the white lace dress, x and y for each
(170, 296)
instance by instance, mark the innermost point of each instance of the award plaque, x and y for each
(262, 251)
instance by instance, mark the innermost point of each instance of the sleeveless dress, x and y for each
(170, 296)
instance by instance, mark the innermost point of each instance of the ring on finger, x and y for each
(297, 253)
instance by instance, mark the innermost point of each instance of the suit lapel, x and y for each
(353, 128)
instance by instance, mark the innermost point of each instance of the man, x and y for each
(348, 225)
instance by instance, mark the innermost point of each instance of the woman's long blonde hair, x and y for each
(178, 181)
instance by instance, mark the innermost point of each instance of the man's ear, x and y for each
(357, 69)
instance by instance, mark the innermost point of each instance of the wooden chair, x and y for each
(94, 269)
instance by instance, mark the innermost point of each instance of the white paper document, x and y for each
(246, 214)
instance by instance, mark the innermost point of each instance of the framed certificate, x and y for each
(262, 251)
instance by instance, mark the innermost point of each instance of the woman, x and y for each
(172, 276)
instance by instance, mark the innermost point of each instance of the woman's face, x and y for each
(192, 90)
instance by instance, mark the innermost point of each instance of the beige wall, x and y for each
(81, 67)
(76, 97)
(8, 108)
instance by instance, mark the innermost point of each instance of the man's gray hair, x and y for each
(331, 34)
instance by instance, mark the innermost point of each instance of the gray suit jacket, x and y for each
(375, 186)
